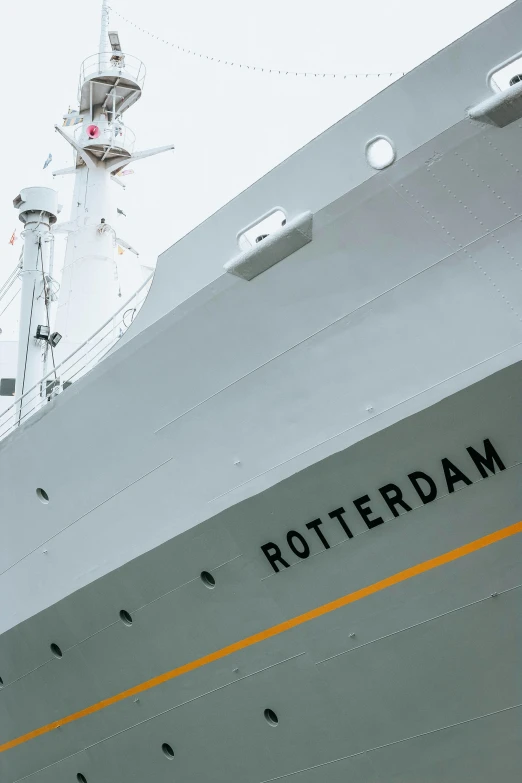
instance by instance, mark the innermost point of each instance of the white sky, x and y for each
(230, 126)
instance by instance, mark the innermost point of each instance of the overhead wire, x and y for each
(47, 302)
(258, 68)
(10, 302)
(11, 279)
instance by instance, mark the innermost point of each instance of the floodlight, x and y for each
(55, 338)
(42, 332)
(114, 39)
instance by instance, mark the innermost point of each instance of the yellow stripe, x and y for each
(275, 630)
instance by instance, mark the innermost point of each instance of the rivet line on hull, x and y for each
(275, 630)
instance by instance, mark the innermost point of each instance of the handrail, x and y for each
(17, 406)
(130, 65)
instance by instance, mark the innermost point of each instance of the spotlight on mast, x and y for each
(114, 39)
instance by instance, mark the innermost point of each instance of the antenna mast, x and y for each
(37, 211)
(104, 35)
(111, 81)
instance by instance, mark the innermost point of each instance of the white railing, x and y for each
(83, 359)
(112, 134)
(126, 66)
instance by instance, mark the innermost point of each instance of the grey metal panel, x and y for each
(444, 672)
(260, 751)
(412, 111)
(380, 553)
(99, 503)
(406, 327)
(348, 264)
(357, 769)
(191, 620)
(262, 402)
(475, 752)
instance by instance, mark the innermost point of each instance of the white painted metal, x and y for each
(89, 289)
(103, 146)
(73, 367)
(105, 47)
(37, 210)
(232, 412)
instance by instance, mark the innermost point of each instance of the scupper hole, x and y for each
(167, 750)
(125, 617)
(271, 718)
(81, 778)
(56, 650)
(208, 580)
(42, 495)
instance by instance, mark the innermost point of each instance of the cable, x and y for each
(47, 305)
(4, 288)
(262, 69)
(10, 301)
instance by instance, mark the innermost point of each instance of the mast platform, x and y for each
(111, 80)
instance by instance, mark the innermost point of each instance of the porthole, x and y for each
(1, 683)
(380, 153)
(56, 650)
(42, 495)
(167, 750)
(125, 617)
(81, 778)
(271, 718)
(207, 579)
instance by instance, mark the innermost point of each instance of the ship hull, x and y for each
(384, 634)
(301, 486)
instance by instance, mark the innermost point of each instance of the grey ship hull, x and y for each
(236, 415)
(417, 681)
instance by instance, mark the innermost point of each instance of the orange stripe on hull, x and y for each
(275, 630)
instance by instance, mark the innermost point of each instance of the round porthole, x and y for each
(167, 750)
(207, 579)
(81, 778)
(56, 650)
(42, 495)
(270, 717)
(125, 617)
(380, 153)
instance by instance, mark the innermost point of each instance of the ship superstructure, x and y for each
(111, 81)
(279, 536)
(54, 351)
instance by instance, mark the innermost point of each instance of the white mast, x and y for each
(37, 210)
(110, 82)
(104, 36)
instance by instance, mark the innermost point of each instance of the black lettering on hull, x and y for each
(487, 462)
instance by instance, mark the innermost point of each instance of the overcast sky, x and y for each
(230, 125)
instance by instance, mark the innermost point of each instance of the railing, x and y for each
(83, 359)
(126, 65)
(113, 134)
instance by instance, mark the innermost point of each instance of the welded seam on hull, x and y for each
(363, 421)
(396, 742)
(94, 508)
(266, 668)
(116, 622)
(338, 320)
(490, 597)
(159, 714)
(275, 630)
